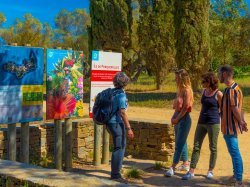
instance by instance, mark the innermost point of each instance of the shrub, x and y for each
(133, 173)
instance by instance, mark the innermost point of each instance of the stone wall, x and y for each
(153, 140)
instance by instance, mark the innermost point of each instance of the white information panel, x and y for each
(104, 67)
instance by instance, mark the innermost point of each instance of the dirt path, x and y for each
(223, 168)
(224, 165)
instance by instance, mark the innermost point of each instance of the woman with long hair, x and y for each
(181, 118)
(208, 123)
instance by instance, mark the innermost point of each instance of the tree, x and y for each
(2, 19)
(110, 24)
(24, 32)
(133, 63)
(71, 29)
(156, 37)
(47, 36)
(192, 37)
(227, 25)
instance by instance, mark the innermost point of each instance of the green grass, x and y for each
(159, 165)
(133, 173)
(143, 92)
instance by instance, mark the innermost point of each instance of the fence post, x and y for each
(68, 144)
(24, 156)
(12, 142)
(58, 144)
(24, 138)
(97, 144)
(12, 136)
(105, 147)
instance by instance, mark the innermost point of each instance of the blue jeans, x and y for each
(181, 134)
(184, 153)
(233, 149)
(118, 133)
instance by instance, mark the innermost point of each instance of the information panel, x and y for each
(64, 84)
(21, 84)
(104, 67)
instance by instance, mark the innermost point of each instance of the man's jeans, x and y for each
(118, 133)
(182, 131)
(233, 149)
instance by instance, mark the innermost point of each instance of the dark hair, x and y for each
(120, 80)
(227, 68)
(212, 79)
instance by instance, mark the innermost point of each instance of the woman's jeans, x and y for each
(233, 149)
(184, 154)
(213, 132)
(118, 133)
(181, 133)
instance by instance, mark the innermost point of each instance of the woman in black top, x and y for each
(208, 123)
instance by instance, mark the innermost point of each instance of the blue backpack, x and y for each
(103, 106)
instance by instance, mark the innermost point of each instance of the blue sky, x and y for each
(44, 10)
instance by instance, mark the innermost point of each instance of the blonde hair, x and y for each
(184, 81)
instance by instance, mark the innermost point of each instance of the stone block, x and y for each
(81, 142)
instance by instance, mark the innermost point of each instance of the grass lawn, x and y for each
(143, 92)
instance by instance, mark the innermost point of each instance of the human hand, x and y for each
(244, 126)
(174, 121)
(130, 134)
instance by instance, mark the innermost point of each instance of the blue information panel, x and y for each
(21, 84)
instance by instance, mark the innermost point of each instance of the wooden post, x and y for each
(97, 144)
(68, 144)
(105, 147)
(12, 142)
(58, 144)
(24, 138)
(24, 151)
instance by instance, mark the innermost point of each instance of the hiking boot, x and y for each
(169, 172)
(210, 175)
(188, 176)
(183, 167)
(238, 184)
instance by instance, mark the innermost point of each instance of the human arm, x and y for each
(219, 98)
(239, 117)
(187, 97)
(124, 116)
(237, 112)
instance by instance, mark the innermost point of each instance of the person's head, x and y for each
(182, 79)
(120, 80)
(225, 73)
(210, 80)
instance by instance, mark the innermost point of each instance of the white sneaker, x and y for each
(169, 172)
(188, 176)
(210, 175)
(183, 167)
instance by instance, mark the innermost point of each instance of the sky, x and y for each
(44, 10)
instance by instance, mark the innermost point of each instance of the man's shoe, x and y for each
(169, 172)
(188, 176)
(121, 180)
(238, 184)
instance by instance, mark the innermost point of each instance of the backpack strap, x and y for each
(116, 91)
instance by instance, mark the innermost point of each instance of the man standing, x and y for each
(119, 126)
(232, 120)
